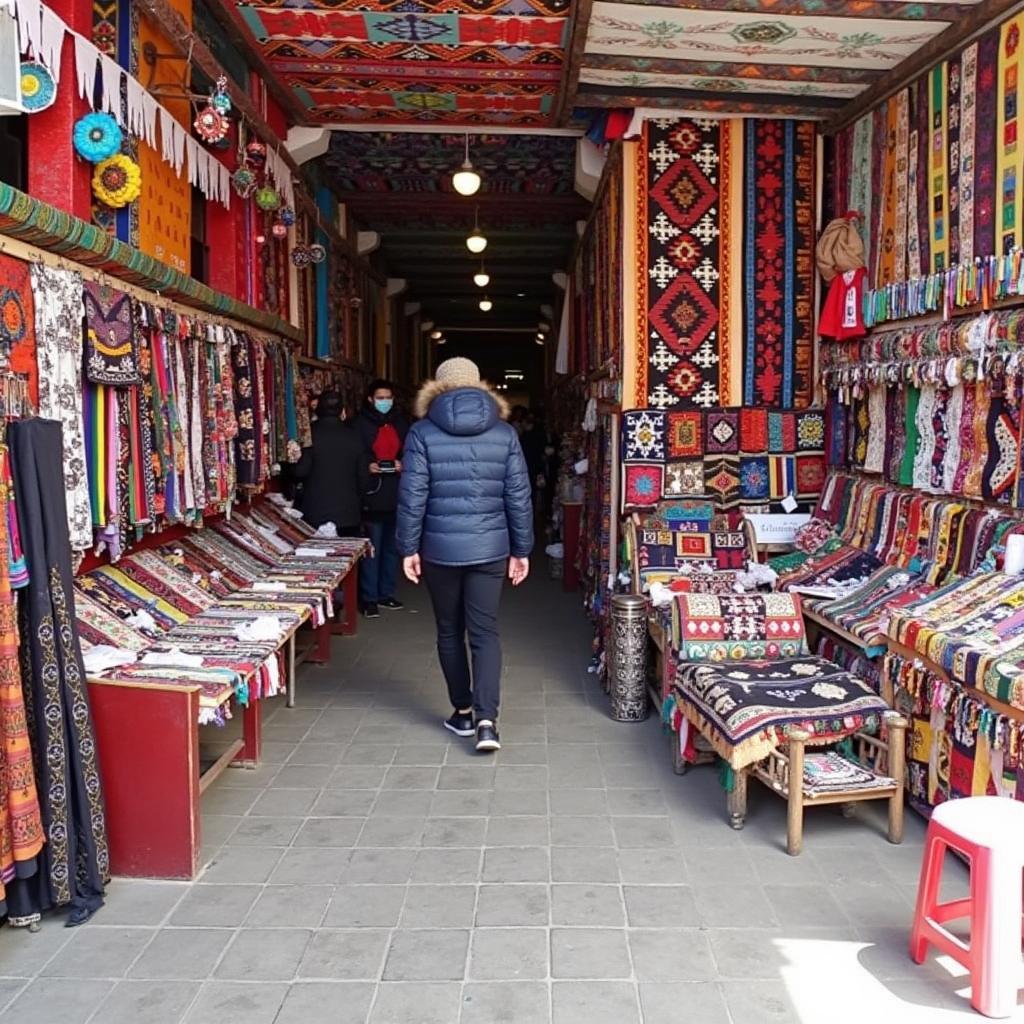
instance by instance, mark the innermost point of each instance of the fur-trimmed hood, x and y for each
(433, 389)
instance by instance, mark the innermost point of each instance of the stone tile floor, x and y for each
(375, 869)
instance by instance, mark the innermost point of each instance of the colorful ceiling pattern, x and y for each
(464, 62)
(805, 57)
(399, 184)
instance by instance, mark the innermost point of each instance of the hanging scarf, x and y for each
(58, 305)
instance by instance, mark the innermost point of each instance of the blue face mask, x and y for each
(383, 405)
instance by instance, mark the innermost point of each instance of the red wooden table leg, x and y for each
(321, 654)
(148, 744)
(349, 624)
(252, 734)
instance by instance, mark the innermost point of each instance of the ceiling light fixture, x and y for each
(520, 295)
(442, 341)
(436, 334)
(540, 339)
(481, 278)
(542, 326)
(466, 181)
(476, 243)
(486, 304)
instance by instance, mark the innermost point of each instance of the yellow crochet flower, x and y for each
(117, 181)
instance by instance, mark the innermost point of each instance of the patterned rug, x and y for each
(750, 458)
(778, 264)
(747, 709)
(725, 239)
(685, 172)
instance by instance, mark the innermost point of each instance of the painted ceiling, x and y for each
(805, 57)
(399, 184)
(471, 62)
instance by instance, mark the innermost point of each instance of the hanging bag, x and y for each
(840, 247)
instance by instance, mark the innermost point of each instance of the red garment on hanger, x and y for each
(842, 315)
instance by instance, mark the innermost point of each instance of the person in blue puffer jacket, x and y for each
(465, 519)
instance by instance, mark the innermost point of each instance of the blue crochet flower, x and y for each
(97, 137)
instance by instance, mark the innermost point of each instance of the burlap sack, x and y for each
(840, 248)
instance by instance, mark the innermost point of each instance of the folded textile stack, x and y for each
(230, 595)
(871, 550)
(974, 630)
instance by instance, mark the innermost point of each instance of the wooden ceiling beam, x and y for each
(975, 21)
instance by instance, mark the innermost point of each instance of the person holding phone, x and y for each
(465, 521)
(382, 429)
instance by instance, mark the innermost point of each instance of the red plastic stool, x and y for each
(989, 832)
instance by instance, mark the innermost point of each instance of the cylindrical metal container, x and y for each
(627, 666)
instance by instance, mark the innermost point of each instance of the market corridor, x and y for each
(375, 869)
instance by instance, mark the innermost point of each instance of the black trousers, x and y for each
(465, 599)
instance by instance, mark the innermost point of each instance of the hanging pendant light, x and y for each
(481, 278)
(486, 304)
(466, 181)
(476, 242)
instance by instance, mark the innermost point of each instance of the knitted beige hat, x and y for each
(458, 372)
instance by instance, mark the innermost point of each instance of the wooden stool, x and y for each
(876, 773)
(989, 832)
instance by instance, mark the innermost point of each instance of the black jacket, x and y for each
(334, 472)
(465, 493)
(381, 496)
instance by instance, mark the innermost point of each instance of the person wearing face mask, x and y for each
(382, 429)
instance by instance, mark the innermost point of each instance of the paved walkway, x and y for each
(376, 870)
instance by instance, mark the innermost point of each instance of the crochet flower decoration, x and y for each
(267, 198)
(244, 182)
(317, 253)
(97, 137)
(117, 181)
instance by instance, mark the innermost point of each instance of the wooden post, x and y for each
(737, 802)
(897, 769)
(795, 803)
(252, 734)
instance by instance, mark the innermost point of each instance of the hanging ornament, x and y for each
(117, 181)
(97, 137)
(37, 89)
(279, 230)
(267, 198)
(211, 125)
(219, 98)
(244, 182)
(256, 153)
(286, 215)
(301, 257)
(317, 253)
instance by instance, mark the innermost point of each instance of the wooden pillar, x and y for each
(55, 174)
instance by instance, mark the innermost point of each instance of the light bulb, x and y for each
(486, 304)
(442, 341)
(476, 242)
(540, 339)
(436, 334)
(466, 181)
(481, 278)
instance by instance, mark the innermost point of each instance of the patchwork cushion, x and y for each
(737, 627)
